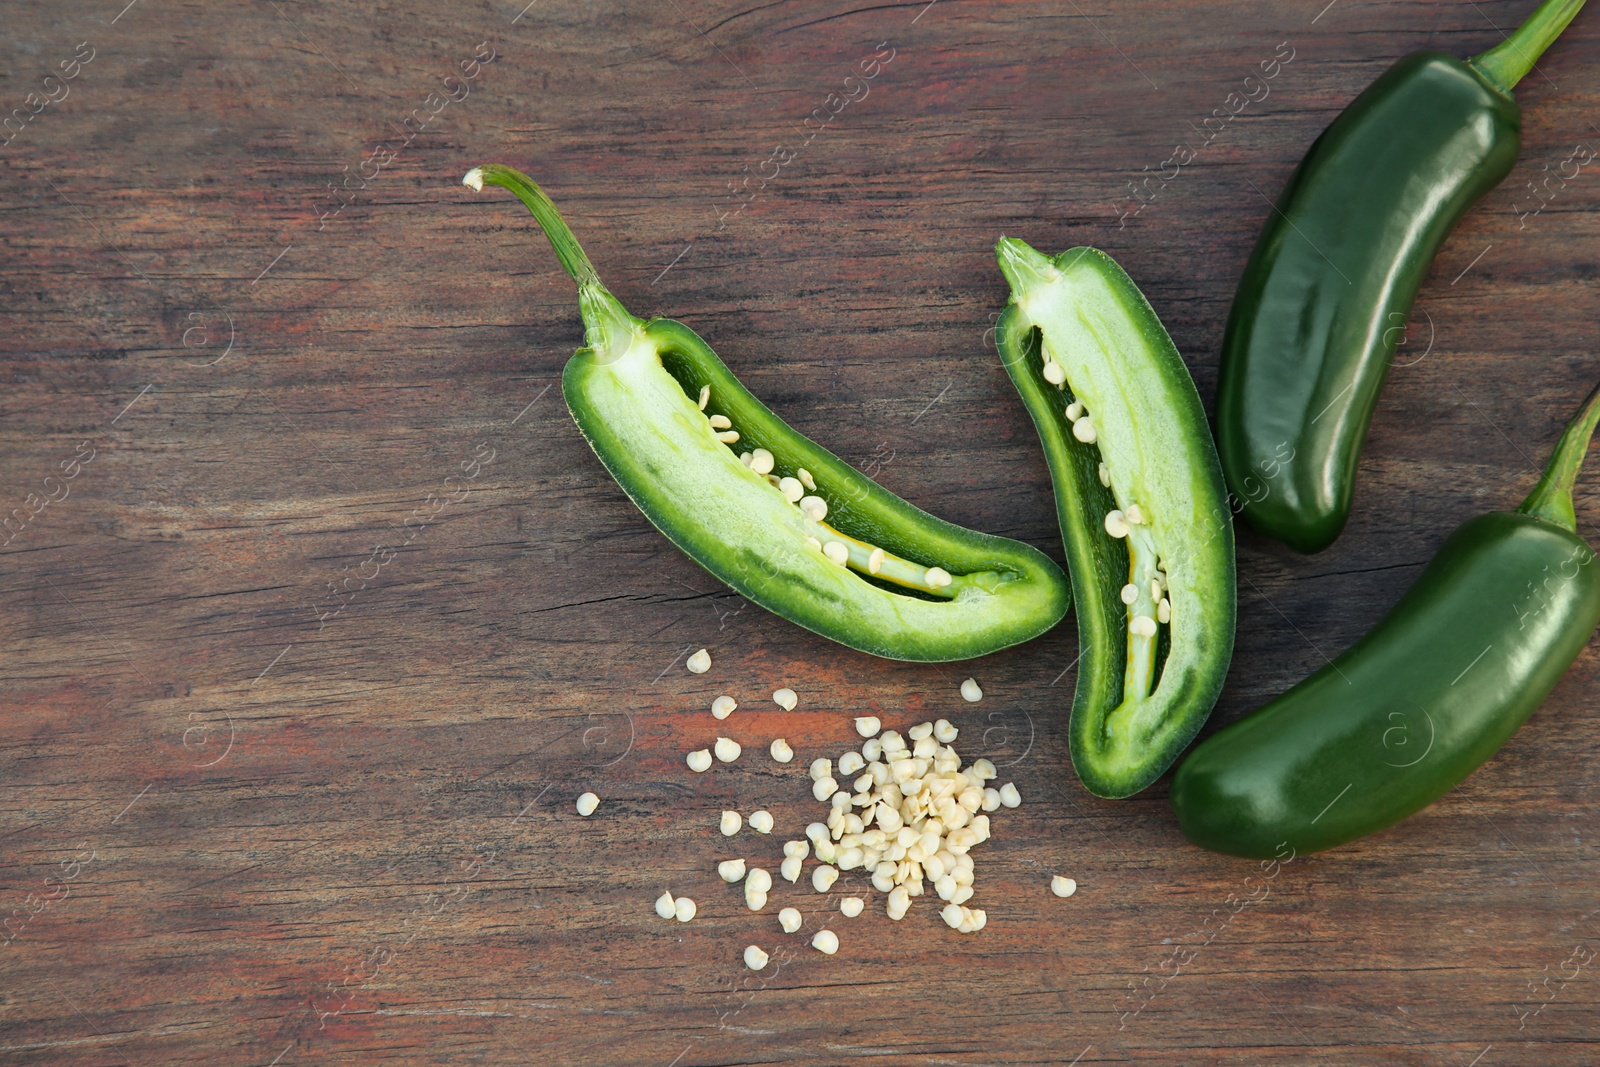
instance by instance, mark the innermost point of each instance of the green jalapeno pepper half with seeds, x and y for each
(1143, 511)
(1419, 703)
(783, 521)
(1323, 303)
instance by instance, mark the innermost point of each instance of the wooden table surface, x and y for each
(308, 660)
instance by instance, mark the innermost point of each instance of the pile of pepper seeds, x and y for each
(910, 815)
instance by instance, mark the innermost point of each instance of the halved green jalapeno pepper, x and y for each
(1415, 706)
(783, 521)
(1324, 300)
(1143, 511)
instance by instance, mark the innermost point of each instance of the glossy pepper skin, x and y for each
(934, 591)
(1420, 702)
(1324, 300)
(1140, 699)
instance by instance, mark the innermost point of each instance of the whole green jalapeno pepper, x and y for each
(1143, 511)
(1415, 706)
(786, 523)
(1324, 300)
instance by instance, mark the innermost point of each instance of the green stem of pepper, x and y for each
(1551, 499)
(1508, 62)
(608, 327)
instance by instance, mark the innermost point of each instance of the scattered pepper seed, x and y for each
(944, 732)
(1083, 430)
(1129, 594)
(761, 822)
(791, 489)
(699, 663)
(727, 749)
(1116, 523)
(790, 868)
(761, 461)
(699, 760)
(705, 396)
(666, 907)
(728, 437)
(1009, 795)
(722, 707)
(781, 751)
(805, 478)
(850, 907)
(790, 919)
(837, 552)
(785, 698)
(826, 942)
(938, 577)
(823, 788)
(823, 877)
(814, 508)
(587, 803)
(1063, 886)
(1105, 476)
(1164, 611)
(1142, 626)
(868, 725)
(683, 909)
(731, 871)
(971, 691)
(720, 422)
(731, 821)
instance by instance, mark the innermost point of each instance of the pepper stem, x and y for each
(609, 329)
(1509, 62)
(1551, 499)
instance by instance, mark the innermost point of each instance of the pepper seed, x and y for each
(587, 803)
(781, 751)
(971, 692)
(699, 663)
(790, 919)
(699, 760)
(722, 707)
(754, 957)
(785, 698)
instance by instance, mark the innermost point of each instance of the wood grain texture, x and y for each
(292, 730)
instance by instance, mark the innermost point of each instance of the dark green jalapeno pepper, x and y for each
(783, 521)
(1415, 706)
(1143, 511)
(1324, 300)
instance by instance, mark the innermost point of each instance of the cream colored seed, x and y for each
(790, 919)
(720, 422)
(938, 577)
(758, 881)
(983, 770)
(1164, 611)
(728, 437)
(1155, 589)
(850, 907)
(785, 699)
(952, 916)
(722, 707)
(587, 803)
(705, 396)
(761, 822)
(1116, 524)
(872, 749)
(699, 663)
(781, 751)
(1063, 886)
(699, 760)
(1142, 626)
(822, 878)
(943, 732)
(683, 909)
(799, 849)
(731, 821)
(762, 461)
(1135, 515)
(1105, 476)
(823, 788)
(1130, 593)
(731, 871)
(790, 868)
(821, 767)
(837, 552)
(971, 691)
(727, 749)
(899, 902)
(919, 731)
(851, 762)
(805, 478)
(991, 800)
(754, 957)
(814, 543)
(814, 508)
(826, 942)
(792, 489)
(868, 725)
(744, 457)
(875, 561)
(1053, 373)
(755, 901)
(666, 907)
(1074, 411)
(1009, 796)
(1083, 430)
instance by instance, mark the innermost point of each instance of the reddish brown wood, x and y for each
(311, 837)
